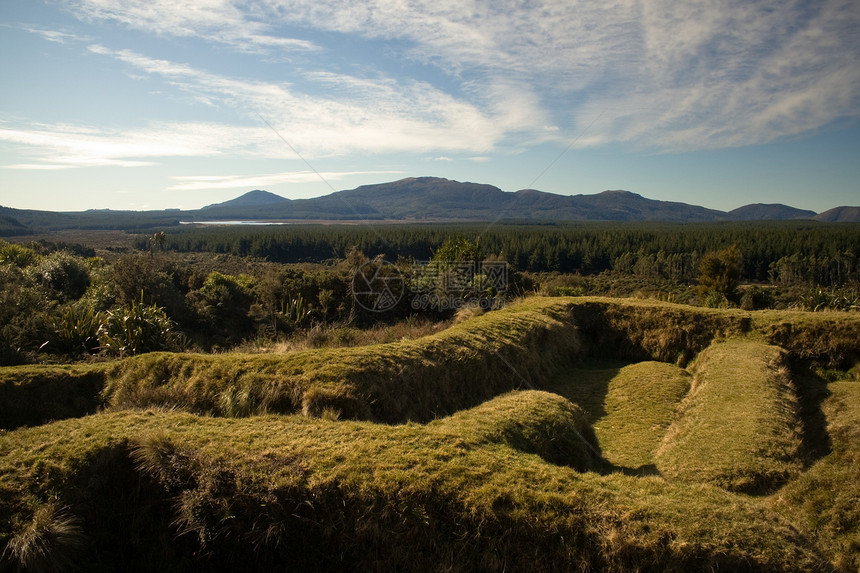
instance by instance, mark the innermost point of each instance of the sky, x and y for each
(155, 104)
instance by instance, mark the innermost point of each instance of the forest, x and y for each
(216, 288)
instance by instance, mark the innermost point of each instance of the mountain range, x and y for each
(417, 199)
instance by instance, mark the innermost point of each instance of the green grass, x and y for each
(474, 491)
(825, 501)
(555, 434)
(630, 406)
(32, 395)
(738, 427)
(517, 347)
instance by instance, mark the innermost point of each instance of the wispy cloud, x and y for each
(64, 146)
(659, 74)
(356, 115)
(206, 182)
(56, 36)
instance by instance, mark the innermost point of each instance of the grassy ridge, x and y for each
(519, 346)
(31, 395)
(470, 492)
(738, 427)
(825, 501)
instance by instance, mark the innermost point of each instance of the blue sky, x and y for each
(153, 104)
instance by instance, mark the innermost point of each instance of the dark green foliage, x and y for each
(18, 255)
(720, 272)
(77, 330)
(154, 278)
(222, 304)
(136, 329)
(63, 273)
(824, 253)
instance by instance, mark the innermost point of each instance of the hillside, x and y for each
(769, 212)
(840, 215)
(254, 198)
(553, 434)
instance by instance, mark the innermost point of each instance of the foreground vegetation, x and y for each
(554, 434)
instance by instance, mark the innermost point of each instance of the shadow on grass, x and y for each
(812, 391)
(587, 385)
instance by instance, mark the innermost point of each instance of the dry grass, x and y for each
(825, 501)
(517, 347)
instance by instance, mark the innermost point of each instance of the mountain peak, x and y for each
(252, 199)
(769, 212)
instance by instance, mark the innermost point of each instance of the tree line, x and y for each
(781, 252)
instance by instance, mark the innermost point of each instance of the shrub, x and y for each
(63, 273)
(137, 329)
(77, 330)
(17, 255)
(720, 271)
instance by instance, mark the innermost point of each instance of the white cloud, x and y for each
(663, 74)
(357, 115)
(63, 146)
(200, 182)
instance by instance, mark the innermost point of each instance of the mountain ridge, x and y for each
(417, 199)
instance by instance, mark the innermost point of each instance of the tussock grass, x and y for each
(630, 406)
(50, 542)
(294, 473)
(473, 491)
(738, 428)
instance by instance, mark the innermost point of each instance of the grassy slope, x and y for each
(521, 346)
(472, 491)
(738, 428)
(37, 394)
(825, 501)
(630, 406)
(410, 380)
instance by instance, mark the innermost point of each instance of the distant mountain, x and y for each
(840, 215)
(253, 198)
(769, 212)
(416, 199)
(434, 198)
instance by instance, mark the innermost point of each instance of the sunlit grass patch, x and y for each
(630, 406)
(738, 427)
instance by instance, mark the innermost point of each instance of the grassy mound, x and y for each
(519, 346)
(463, 493)
(630, 406)
(31, 395)
(825, 501)
(738, 428)
(240, 462)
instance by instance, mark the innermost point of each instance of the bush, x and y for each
(63, 273)
(720, 272)
(77, 331)
(17, 255)
(137, 329)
